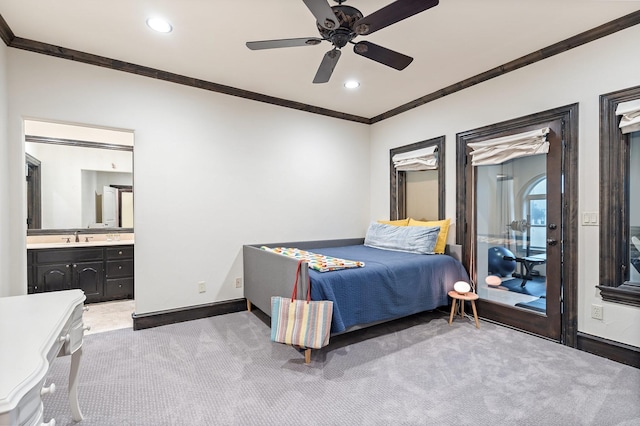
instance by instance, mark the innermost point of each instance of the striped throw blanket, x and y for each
(317, 262)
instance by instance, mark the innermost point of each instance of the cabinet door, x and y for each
(88, 277)
(53, 277)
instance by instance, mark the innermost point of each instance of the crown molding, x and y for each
(593, 34)
(11, 40)
(5, 32)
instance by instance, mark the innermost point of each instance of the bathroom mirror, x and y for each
(75, 182)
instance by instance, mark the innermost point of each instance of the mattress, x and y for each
(391, 285)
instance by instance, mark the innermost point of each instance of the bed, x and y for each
(391, 285)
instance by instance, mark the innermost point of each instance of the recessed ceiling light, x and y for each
(160, 25)
(352, 84)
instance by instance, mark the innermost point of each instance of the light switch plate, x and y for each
(590, 219)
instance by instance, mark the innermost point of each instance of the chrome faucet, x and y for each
(75, 234)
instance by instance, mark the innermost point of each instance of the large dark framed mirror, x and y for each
(418, 192)
(78, 179)
(619, 200)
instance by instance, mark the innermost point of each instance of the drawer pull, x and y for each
(65, 338)
(51, 422)
(48, 390)
(120, 267)
(120, 252)
(86, 327)
(85, 308)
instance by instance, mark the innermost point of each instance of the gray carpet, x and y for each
(417, 371)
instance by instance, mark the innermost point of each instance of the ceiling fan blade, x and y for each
(285, 42)
(383, 55)
(323, 13)
(327, 65)
(392, 13)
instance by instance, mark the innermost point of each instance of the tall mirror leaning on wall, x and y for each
(78, 179)
(620, 196)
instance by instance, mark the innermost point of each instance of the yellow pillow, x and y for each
(400, 222)
(442, 235)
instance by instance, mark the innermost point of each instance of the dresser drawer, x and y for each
(67, 256)
(117, 288)
(61, 341)
(123, 252)
(30, 408)
(76, 333)
(120, 268)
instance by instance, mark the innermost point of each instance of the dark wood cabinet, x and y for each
(103, 273)
(119, 273)
(89, 277)
(52, 277)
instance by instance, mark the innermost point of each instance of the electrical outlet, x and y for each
(202, 287)
(596, 311)
(238, 282)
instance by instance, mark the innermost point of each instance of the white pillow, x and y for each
(410, 239)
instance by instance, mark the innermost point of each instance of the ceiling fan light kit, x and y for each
(340, 24)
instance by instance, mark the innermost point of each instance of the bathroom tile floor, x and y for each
(108, 316)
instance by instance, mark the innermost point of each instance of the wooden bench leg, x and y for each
(453, 309)
(307, 356)
(248, 305)
(475, 313)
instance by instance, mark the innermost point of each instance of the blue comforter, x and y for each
(391, 284)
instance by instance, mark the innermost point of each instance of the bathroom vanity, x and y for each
(102, 269)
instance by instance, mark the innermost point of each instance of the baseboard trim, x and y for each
(616, 351)
(172, 316)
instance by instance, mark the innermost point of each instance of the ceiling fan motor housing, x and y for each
(347, 17)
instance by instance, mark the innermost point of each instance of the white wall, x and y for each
(211, 173)
(5, 224)
(579, 75)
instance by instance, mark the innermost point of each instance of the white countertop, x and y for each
(72, 244)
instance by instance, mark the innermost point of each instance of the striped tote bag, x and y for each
(298, 322)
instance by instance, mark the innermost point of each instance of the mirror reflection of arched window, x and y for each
(535, 212)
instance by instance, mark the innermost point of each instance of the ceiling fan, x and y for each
(340, 24)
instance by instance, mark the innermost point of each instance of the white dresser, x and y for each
(34, 330)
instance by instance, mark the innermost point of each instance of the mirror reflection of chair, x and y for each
(528, 264)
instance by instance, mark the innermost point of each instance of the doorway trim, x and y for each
(569, 116)
(34, 190)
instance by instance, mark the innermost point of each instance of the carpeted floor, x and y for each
(417, 371)
(535, 287)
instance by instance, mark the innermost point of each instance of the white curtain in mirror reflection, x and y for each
(630, 116)
(499, 150)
